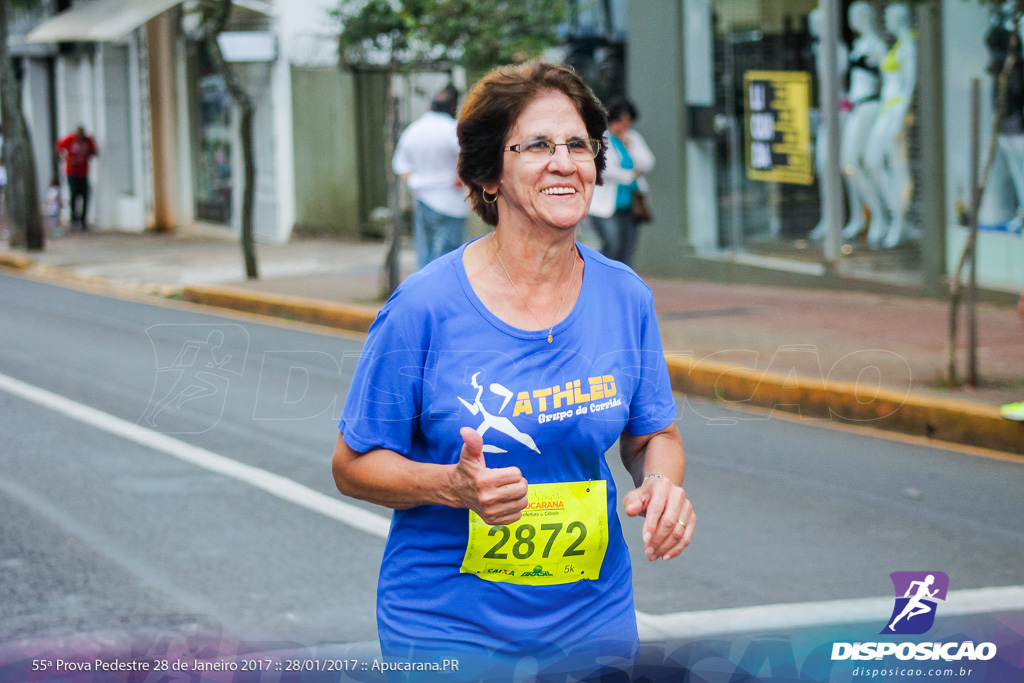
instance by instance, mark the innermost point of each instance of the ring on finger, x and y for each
(682, 524)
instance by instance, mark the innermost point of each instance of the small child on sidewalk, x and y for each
(52, 209)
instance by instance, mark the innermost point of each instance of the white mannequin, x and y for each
(887, 158)
(821, 161)
(865, 86)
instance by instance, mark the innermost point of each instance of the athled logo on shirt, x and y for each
(571, 394)
(497, 422)
(550, 404)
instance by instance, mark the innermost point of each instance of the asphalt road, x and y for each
(104, 531)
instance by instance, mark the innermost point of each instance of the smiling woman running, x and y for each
(520, 333)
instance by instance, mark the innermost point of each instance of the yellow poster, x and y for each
(777, 114)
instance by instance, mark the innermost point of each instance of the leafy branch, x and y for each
(474, 34)
(399, 34)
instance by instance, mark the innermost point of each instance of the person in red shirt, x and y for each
(76, 150)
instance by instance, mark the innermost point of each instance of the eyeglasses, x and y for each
(540, 150)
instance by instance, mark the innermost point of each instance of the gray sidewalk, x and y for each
(874, 360)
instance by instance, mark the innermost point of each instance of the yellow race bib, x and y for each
(561, 537)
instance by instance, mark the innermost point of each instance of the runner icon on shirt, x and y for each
(496, 422)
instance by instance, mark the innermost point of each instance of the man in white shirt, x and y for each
(427, 157)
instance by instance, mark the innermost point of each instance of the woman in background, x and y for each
(629, 159)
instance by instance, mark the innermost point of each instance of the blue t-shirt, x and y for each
(437, 360)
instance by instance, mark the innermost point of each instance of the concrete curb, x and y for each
(865, 405)
(811, 398)
(330, 314)
(14, 261)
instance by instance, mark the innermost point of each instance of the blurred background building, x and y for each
(133, 74)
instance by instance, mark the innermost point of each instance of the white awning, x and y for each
(99, 21)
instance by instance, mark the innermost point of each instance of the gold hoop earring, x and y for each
(494, 197)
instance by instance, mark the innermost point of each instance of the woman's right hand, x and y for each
(497, 495)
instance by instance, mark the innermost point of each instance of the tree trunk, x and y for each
(22, 191)
(213, 24)
(390, 276)
(248, 113)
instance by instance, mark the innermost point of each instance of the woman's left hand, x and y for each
(668, 517)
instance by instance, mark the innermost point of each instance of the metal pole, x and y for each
(832, 212)
(972, 283)
(735, 157)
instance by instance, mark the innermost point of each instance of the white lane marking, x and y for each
(789, 617)
(274, 484)
(651, 626)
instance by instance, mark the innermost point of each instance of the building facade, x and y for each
(744, 201)
(134, 73)
(743, 188)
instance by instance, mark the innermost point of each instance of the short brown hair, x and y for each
(491, 110)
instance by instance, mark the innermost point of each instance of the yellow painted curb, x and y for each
(329, 314)
(811, 398)
(867, 405)
(15, 261)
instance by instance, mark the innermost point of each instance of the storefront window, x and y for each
(771, 161)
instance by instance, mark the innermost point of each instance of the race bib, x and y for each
(561, 537)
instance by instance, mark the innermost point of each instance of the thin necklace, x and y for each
(558, 316)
